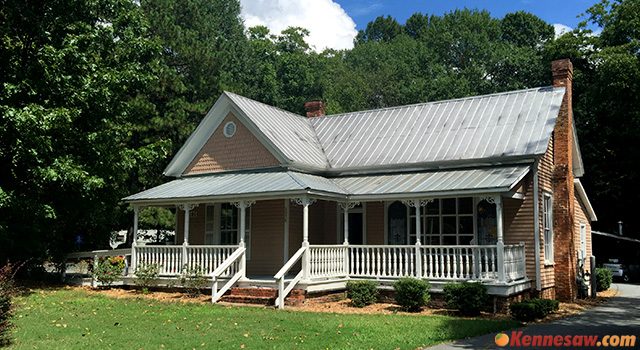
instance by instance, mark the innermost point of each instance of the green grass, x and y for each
(73, 319)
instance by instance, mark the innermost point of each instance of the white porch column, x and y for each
(346, 206)
(134, 243)
(243, 205)
(187, 213)
(418, 204)
(500, 243)
(305, 202)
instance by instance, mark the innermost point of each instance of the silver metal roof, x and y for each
(232, 186)
(289, 132)
(443, 182)
(516, 123)
(237, 185)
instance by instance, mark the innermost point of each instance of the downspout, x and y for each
(536, 226)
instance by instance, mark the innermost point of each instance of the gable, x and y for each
(241, 151)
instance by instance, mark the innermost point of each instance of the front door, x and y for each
(356, 228)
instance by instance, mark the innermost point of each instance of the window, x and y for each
(583, 240)
(446, 221)
(229, 129)
(397, 223)
(222, 225)
(547, 227)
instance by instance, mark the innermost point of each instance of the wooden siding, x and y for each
(267, 238)
(545, 180)
(519, 221)
(196, 225)
(580, 216)
(375, 223)
(242, 151)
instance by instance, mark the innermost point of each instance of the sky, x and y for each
(335, 23)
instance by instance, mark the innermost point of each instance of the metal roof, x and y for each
(291, 133)
(237, 185)
(231, 186)
(517, 123)
(443, 182)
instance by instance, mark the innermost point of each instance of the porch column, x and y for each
(305, 202)
(243, 205)
(418, 204)
(500, 243)
(187, 213)
(134, 243)
(346, 206)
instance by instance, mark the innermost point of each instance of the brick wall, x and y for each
(563, 200)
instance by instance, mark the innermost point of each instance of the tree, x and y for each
(72, 77)
(381, 29)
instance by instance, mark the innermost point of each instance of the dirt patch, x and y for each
(343, 306)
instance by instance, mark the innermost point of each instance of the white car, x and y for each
(617, 269)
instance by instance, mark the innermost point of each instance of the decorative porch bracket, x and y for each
(243, 205)
(418, 204)
(187, 208)
(305, 202)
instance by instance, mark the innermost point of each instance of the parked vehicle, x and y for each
(621, 271)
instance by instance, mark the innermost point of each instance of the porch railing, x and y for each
(434, 262)
(514, 262)
(233, 267)
(172, 259)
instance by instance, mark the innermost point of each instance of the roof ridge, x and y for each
(436, 102)
(229, 93)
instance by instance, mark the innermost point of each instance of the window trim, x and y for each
(547, 228)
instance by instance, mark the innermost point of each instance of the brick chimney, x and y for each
(563, 197)
(315, 108)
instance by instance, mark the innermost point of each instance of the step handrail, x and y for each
(216, 293)
(282, 291)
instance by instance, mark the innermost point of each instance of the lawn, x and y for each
(75, 319)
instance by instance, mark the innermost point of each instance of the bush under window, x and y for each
(362, 293)
(412, 294)
(468, 297)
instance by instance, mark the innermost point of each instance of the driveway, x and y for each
(619, 316)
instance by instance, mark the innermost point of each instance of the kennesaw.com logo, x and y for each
(518, 339)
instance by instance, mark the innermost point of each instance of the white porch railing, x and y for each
(172, 259)
(514, 262)
(280, 276)
(232, 267)
(453, 263)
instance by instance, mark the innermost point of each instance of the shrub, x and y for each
(192, 280)
(362, 293)
(411, 294)
(603, 279)
(107, 270)
(532, 309)
(468, 297)
(145, 274)
(7, 291)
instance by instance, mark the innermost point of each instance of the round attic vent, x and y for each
(229, 129)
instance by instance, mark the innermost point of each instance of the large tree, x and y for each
(72, 75)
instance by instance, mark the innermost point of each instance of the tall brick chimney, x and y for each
(563, 197)
(315, 108)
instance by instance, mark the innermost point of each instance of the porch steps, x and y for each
(262, 296)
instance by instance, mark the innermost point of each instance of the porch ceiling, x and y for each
(289, 184)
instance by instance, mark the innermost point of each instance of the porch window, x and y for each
(547, 226)
(397, 223)
(222, 225)
(446, 221)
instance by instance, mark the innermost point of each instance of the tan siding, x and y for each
(196, 226)
(375, 223)
(545, 177)
(267, 238)
(519, 224)
(242, 151)
(330, 223)
(580, 216)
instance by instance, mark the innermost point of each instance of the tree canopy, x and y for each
(97, 96)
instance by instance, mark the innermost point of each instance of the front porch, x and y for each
(326, 268)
